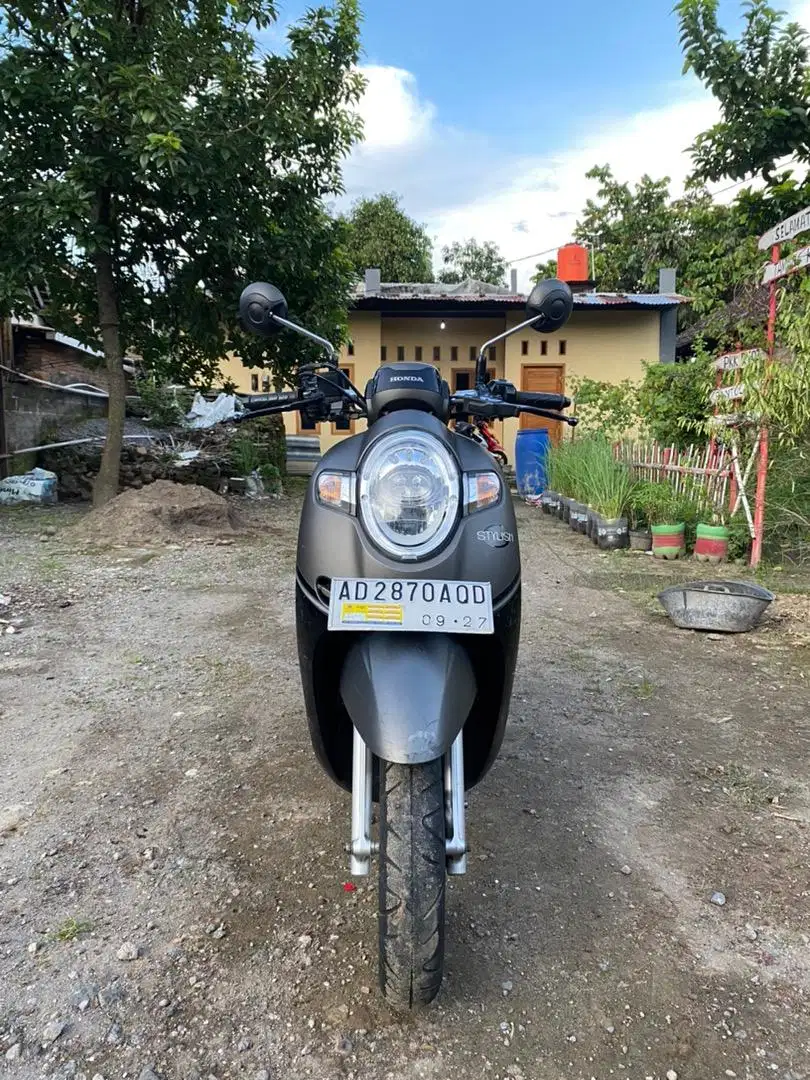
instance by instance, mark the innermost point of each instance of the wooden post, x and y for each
(7, 358)
(762, 467)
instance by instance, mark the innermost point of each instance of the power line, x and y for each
(714, 194)
(537, 254)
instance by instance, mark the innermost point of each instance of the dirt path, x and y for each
(158, 796)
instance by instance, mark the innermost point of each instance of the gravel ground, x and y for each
(172, 872)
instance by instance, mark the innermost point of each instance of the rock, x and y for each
(50, 530)
(305, 940)
(148, 1073)
(52, 1031)
(44, 538)
(244, 1044)
(712, 637)
(750, 932)
(83, 1005)
(718, 899)
(262, 1074)
(14, 1053)
(5, 601)
(672, 1075)
(115, 1035)
(33, 946)
(506, 985)
(343, 1045)
(626, 870)
(128, 951)
(219, 932)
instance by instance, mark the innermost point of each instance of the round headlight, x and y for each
(409, 494)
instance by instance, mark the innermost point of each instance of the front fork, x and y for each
(362, 847)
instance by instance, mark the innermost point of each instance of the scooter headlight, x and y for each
(409, 494)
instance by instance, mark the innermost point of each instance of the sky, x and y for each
(485, 117)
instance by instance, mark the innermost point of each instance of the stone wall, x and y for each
(76, 467)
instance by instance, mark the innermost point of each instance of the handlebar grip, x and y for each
(264, 401)
(542, 401)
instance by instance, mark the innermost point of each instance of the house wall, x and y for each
(608, 345)
(31, 412)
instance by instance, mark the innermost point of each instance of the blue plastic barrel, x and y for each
(531, 452)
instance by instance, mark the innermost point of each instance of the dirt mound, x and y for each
(161, 511)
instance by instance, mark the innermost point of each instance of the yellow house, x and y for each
(607, 338)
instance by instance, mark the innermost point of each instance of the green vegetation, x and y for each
(169, 164)
(380, 235)
(481, 262)
(70, 930)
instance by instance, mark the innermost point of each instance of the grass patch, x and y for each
(749, 789)
(70, 930)
(643, 690)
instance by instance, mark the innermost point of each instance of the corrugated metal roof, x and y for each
(469, 292)
(629, 299)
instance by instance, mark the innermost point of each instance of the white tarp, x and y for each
(205, 414)
(37, 486)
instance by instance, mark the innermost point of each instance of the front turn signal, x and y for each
(337, 490)
(481, 490)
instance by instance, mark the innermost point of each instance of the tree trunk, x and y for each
(105, 486)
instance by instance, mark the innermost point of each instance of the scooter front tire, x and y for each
(412, 882)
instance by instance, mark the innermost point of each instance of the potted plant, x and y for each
(711, 541)
(610, 486)
(637, 512)
(663, 508)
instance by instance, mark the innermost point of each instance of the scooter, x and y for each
(407, 592)
(480, 432)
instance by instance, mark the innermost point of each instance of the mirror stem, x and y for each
(328, 347)
(481, 367)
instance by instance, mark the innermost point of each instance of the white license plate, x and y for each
(450, 607)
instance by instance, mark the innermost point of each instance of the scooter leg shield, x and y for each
(408, 695)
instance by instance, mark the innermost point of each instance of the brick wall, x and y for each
(35, 355)
(32, 412)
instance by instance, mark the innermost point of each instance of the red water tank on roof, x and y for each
(572, 263)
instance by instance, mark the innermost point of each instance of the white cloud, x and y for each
(393, 114)
(460, 183)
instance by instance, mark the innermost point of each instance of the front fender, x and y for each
(407, 694)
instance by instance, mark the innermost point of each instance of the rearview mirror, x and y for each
(259, 305)
(551, 303)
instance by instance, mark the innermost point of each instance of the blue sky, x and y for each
(485, 116)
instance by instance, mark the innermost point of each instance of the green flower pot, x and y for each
(667, 540)
(711, 544)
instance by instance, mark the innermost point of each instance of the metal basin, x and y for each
(729, 607)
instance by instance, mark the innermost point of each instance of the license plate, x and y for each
(450, 607)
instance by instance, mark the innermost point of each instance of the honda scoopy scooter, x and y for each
(407, 614)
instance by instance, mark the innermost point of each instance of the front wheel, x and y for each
(412, 882)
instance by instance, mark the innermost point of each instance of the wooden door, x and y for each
(543, 379)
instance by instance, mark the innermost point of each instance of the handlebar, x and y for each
(267, 401)
(554, 402)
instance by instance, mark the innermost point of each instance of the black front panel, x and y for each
(407, 386)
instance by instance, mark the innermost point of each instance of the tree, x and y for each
(382, 236)
(545, 270)
(633, 231)
(153, 163)
(636, 230)
(762, 83)
(473, 261)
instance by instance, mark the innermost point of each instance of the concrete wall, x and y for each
(602, 344)
(606, 344)
(31, 412)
